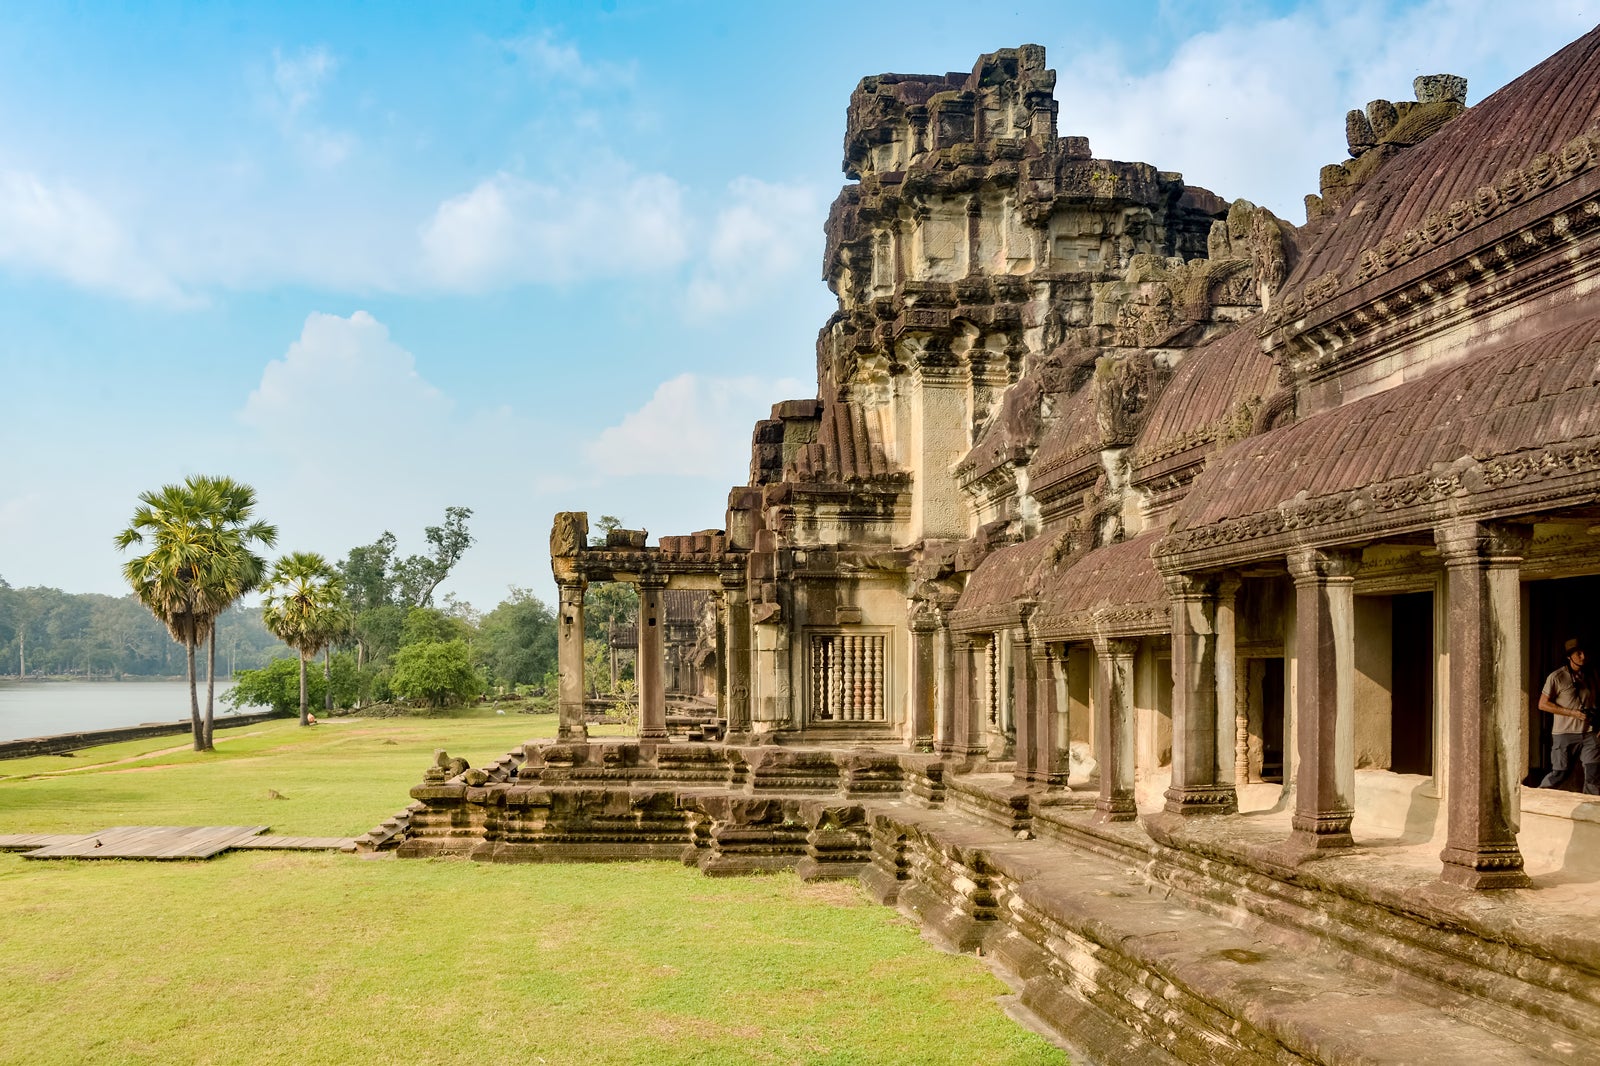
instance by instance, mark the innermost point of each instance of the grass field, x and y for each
(326, 958)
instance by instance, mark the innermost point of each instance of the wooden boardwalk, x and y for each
(162, 842)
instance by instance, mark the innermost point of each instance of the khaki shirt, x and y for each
(1572, 691)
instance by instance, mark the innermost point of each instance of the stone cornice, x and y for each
(1506, 486)
(1123, 621)
(1512, 260)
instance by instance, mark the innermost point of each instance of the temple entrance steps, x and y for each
(1190, 940)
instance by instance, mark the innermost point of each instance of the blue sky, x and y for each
(377, 259)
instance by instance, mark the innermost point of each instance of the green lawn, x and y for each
(324, 958)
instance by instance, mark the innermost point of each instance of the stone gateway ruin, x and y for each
(1155, 595)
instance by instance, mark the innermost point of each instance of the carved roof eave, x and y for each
(988, 619)
(1521, 484)
(1326, 330)
(887, 486)
(1120, 621)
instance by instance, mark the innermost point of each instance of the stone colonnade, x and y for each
(1482, 703)
(733, 656)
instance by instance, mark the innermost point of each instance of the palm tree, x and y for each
(200, 560)
(303, 606)
(239, 569)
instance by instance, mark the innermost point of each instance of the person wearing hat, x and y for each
(1568, 694)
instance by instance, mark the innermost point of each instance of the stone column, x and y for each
(1051, 736)
(945, 653)
(736, 664)
(652, 679)
(569, 663)
(1113, 730)
(1484, 703)
(924, 623)
(1024, 710)
(1196, 788)
(968, 708)
(1325, 696)
(1231, 717)
(965, 732)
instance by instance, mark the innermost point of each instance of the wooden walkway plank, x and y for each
(150, 842)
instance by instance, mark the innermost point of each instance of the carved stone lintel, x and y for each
(1317, 565)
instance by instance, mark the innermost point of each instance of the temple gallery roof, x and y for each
(1114, 588)
(1526, 397)
(1210, 397)
(1506, 148)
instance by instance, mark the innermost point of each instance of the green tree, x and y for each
(436, 672)
(304, 605)
(239, 569)
(277, 685)
(417, 576)
(517, 640)
(200, 559)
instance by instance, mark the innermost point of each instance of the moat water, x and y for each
(43, 708)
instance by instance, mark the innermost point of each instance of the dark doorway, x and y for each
(1411, 687)
(1272, 720)
(1558, 610)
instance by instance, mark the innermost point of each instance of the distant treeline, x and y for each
(45, 631)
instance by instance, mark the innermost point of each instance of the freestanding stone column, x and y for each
(1325, 700)
(736, 664)
(968, 738)
(652, 680)
(1484, 704)
(1196, 788)
(945, 732)
(924, 623)
(569, 663)
(1113, 730)
(1050, 737)
(1232, 721)
(1024, 710)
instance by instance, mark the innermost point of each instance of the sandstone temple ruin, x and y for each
(1155, 594)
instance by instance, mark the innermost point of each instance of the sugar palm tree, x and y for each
(239, 569)
(304, 608)
(200, 538)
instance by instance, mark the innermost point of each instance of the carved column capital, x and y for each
(1315, 565)
(1188, 586)
(1228, 585)
(1115, 647)
(1467, 543)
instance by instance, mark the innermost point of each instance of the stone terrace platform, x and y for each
(1194, 940)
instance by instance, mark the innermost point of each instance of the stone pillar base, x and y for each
(1321, 832)
(1201, 799)
(1484, 868)
(572, 732)
(1115, 809)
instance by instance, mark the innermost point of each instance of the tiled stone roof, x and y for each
(1528, 395)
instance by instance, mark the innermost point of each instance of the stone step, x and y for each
(1085, 930)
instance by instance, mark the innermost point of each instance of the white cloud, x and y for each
(762, 236)
(692, 427)
(59, 231)
(1235, 114)
(510, 231)
(549, 59)
(343, 372)
(298, 81)
(299, 78)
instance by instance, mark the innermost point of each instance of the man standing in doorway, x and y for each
(1568, 694)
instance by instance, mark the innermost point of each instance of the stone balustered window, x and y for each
(847, 677)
